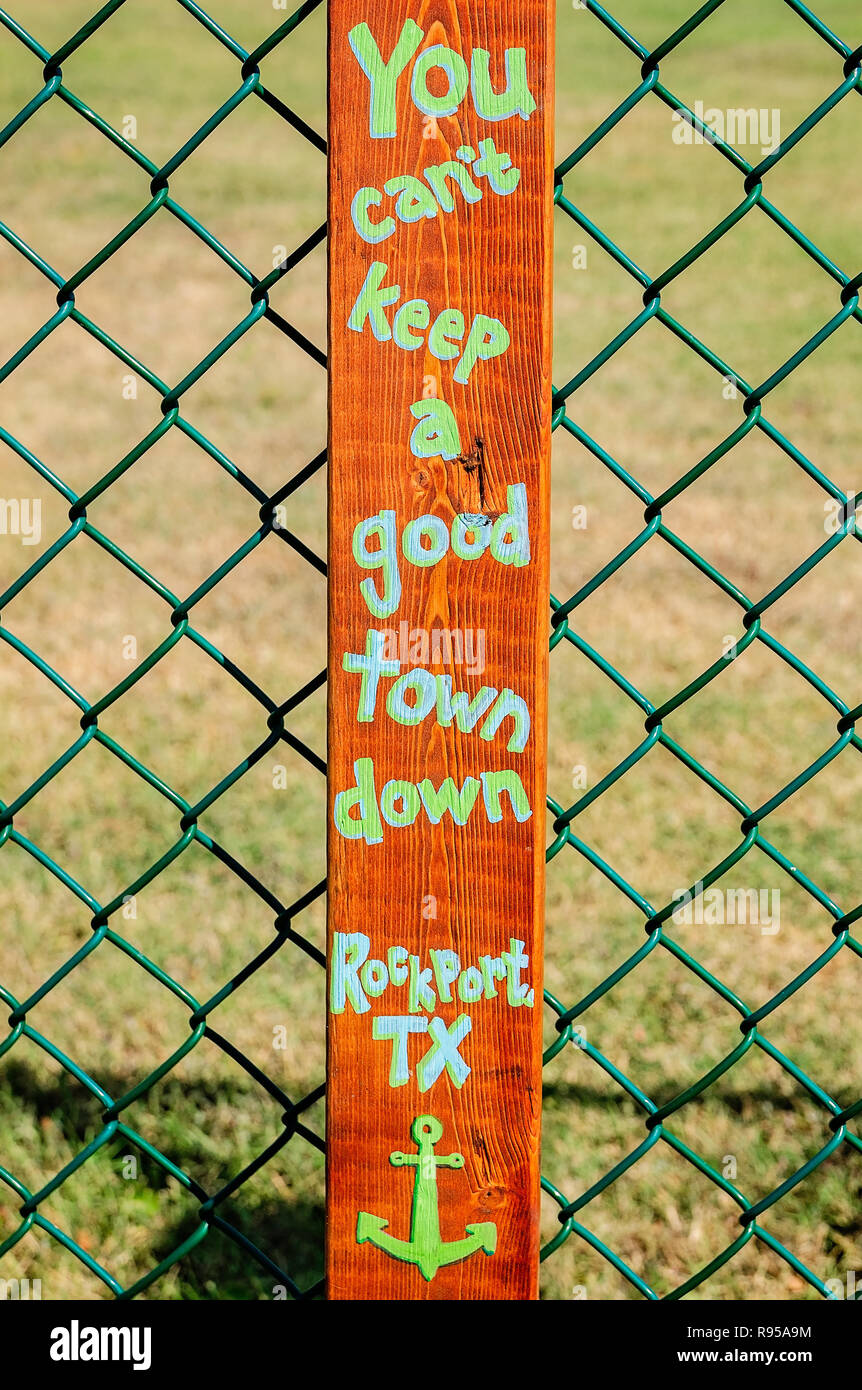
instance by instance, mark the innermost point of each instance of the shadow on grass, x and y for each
(289, 1233)
(735, 1101)
(212, 1128)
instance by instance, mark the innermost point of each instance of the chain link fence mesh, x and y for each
(179, 627)
(838, 1132)
(838, 1136)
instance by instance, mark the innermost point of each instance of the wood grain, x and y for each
(486, 880)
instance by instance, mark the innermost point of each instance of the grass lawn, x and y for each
(179, 512)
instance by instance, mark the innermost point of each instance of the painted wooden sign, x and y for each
(439, 260)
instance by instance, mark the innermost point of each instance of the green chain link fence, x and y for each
(179, 627)
(838, 1132)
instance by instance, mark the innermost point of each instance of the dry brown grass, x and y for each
(656, 409)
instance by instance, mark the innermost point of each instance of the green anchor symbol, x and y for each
(425, 1249)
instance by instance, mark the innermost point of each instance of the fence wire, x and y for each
(157, 199)
(839, 1133)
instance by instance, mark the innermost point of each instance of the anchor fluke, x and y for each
(486, 1232)
(368, 1226)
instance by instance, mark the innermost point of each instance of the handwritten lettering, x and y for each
(515, 99)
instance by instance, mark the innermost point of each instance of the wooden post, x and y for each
(440, 203)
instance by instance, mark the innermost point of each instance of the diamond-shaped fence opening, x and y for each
(692, 1142)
